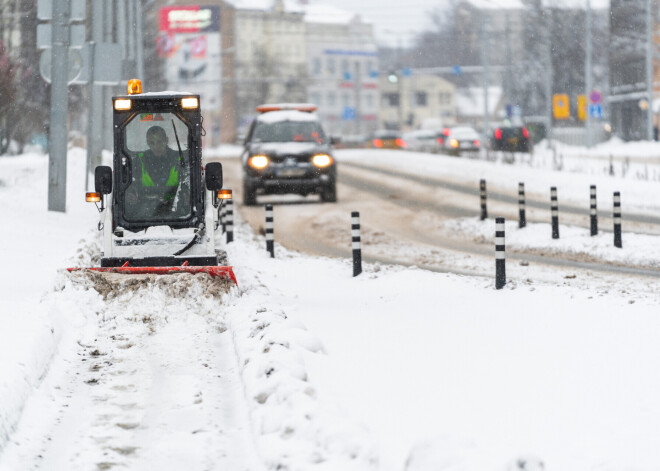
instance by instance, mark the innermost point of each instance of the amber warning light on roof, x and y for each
(308, 107)
(134, 87)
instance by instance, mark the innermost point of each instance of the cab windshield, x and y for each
(288, 131)
(157, 146)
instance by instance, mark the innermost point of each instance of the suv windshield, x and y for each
(157, 145)
(288, 131)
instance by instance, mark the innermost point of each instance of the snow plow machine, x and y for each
(162, 204)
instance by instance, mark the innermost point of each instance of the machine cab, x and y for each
(157, 161)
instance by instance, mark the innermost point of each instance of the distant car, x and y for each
(385, 139)
(462, 139)
(350, 141)
(511, 139)
(287, 151)
(423, 141)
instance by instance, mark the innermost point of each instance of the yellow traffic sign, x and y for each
(561, 106)
(582, 107)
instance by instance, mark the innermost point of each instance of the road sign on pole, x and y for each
(596, 111)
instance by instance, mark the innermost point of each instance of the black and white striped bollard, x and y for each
(222, 213)
(500, 269)
(356, 243)
(617, 220)
(522, 221)
(482, 193)
(593, 214)
(270, 240)
(554, 209)
(228, 220)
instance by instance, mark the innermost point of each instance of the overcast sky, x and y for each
(396, 21)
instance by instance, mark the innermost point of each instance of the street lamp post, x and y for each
(587, 69)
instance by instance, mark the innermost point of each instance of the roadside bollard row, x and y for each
(554, 210)
(500, 272)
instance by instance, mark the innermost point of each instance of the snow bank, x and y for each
(295, 428)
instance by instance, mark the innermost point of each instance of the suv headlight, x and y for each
(258, 161)
(322, 160)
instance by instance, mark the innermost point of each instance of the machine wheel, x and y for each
(249, 195)
(329, 194)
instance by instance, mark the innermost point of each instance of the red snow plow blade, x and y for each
(214, 271)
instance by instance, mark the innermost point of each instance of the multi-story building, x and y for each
(408, 101)
(343, 70)
(285, 51)
(271, 56)
(628, 98)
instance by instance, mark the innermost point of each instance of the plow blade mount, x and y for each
(214, 271)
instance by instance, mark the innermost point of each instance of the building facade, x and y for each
(408, 101)
(271, 58)
(342, 61)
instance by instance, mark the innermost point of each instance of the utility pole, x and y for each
(649, 70)
(485, 62)
(59, 107)
(587, 70)
(548, 77)
(96, 96)
(507, 85)
(358, 87)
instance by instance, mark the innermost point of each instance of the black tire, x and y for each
(249, 195)
(329, 194)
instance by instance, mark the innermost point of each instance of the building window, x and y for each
(345, 67)
(316, 66)
(369, 101)
(420, 98)
(331, 98)
(445, 98)
(331, 66)
(315, 98)
(391, 99)
(345, 100)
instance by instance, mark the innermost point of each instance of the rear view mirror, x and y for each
(103, 179)
(213, 176)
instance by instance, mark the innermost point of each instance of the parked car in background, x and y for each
(424, 140)
(386, 139)
(461, 140)
(510, 138)
(350, 141)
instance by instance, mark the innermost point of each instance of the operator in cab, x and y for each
(159, 187)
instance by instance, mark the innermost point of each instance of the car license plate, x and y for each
(291, 172)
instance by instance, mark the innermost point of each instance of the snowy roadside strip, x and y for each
(291, 428)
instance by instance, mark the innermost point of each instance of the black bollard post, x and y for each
(228, 220)
(223, 213)
(593, 215)
(554, 209)
(522, 221)
(356, 243)
(617, 220)
(482, 193)
(270, 242)
(500, 269)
